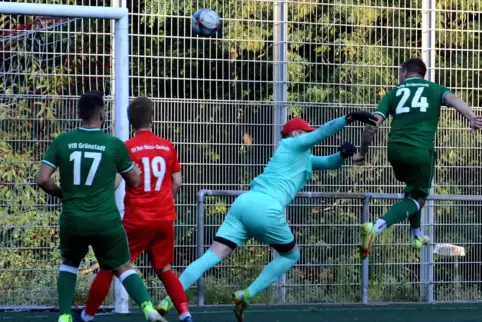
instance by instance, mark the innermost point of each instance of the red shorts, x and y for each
(154, 237)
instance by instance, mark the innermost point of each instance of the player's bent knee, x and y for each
(293, 256)
(164, 269)
(226, 242)
(121, 270)
(285, 248)
(71, 263)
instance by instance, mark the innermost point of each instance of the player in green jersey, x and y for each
(414, 105)
(88, 161)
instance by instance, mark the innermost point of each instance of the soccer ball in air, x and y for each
(205, 22)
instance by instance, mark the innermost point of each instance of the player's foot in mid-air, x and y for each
(418, 243)
(65, 318)
(165, 306)
(241, 301)
(151, 313)
(368, 236)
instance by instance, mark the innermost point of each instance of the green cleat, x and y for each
(368, 236)
(65, 318)
(418, 243)
(164, 306)
(151, 313)
(241, 301)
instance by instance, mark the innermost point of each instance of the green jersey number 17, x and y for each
(77, 157)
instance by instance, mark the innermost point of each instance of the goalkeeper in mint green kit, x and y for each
(259, 212)
(415, 106)
(88, 161)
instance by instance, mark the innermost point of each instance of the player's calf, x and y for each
(176, 293)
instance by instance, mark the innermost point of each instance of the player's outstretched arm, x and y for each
(118, 179)
(45, 182)
(333, 161)
(367, 137)
(463, 108)
(307, 141)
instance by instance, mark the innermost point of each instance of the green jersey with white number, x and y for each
(88, 161)
(415, 108)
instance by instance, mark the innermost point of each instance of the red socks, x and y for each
(98, 291)
(175, 291)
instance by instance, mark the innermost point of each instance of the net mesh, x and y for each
(45, 64)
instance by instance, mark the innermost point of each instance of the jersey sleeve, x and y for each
(176, 167)
(383, 108)
(123, 160)
(443, 91)
(51, 156)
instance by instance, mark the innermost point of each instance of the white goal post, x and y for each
(120, 77)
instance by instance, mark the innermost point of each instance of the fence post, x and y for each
(428, 55)
(280, 89)
(200, 243)
(364, 268)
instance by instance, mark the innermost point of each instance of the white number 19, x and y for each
(158, 166)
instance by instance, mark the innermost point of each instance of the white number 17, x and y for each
(77, 158)
(158, 166)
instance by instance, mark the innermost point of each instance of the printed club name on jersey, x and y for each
(149, 147)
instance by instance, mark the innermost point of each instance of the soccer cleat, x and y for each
(151, 313)
(65, 318)
(164, 306)
(368, 237)
(418, 243)
(241, 302)
(187, 319)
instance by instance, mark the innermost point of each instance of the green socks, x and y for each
(404, 209)
(135, 287)
(66, 288)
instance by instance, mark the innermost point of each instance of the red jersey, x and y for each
(157, 159)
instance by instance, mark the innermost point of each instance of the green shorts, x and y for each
(111, 248)
(414, 166)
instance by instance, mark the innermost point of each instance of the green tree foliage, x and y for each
(214, 100)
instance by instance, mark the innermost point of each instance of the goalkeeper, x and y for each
(88, 161)
(414, 105)
(259, 212)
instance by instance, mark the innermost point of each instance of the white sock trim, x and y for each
(86, 317)
(69, 269)
(184, 315)
(126, 274)
(416, 203)
(380, 225)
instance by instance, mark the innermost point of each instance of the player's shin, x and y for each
(66, 287)
(274, 270)
(176, 292)
(194, 271)
(97, 294)
(401, 211)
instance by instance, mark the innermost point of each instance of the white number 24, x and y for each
(418, 100)
(158, 167)
(77, 158)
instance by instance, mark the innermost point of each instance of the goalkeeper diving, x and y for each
(259, 213)
(414, 105)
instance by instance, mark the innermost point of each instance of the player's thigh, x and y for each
(111, 249)
(232, 232)
(73, 248)
(413, 166)
(161, 247)
(278, 235)
(139, 237)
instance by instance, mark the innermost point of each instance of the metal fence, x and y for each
(222, 102)
(326, 227)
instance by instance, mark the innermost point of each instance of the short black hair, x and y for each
(140, 112)
(415, 66)
(89, 104)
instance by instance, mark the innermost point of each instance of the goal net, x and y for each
(46, 63)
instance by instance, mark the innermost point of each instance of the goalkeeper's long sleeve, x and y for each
(333, 161)
(307, 141)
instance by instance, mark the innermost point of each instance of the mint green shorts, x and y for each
(259, 216)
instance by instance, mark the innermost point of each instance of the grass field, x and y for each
(319, 313)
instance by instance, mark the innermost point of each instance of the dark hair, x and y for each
(90, 104)
(415, 66)
(140, 112)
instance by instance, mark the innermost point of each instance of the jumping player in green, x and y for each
(415, 109)
(88, 161)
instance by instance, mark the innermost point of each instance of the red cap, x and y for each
(296, 124)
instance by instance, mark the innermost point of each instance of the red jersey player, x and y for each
(149, 210)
